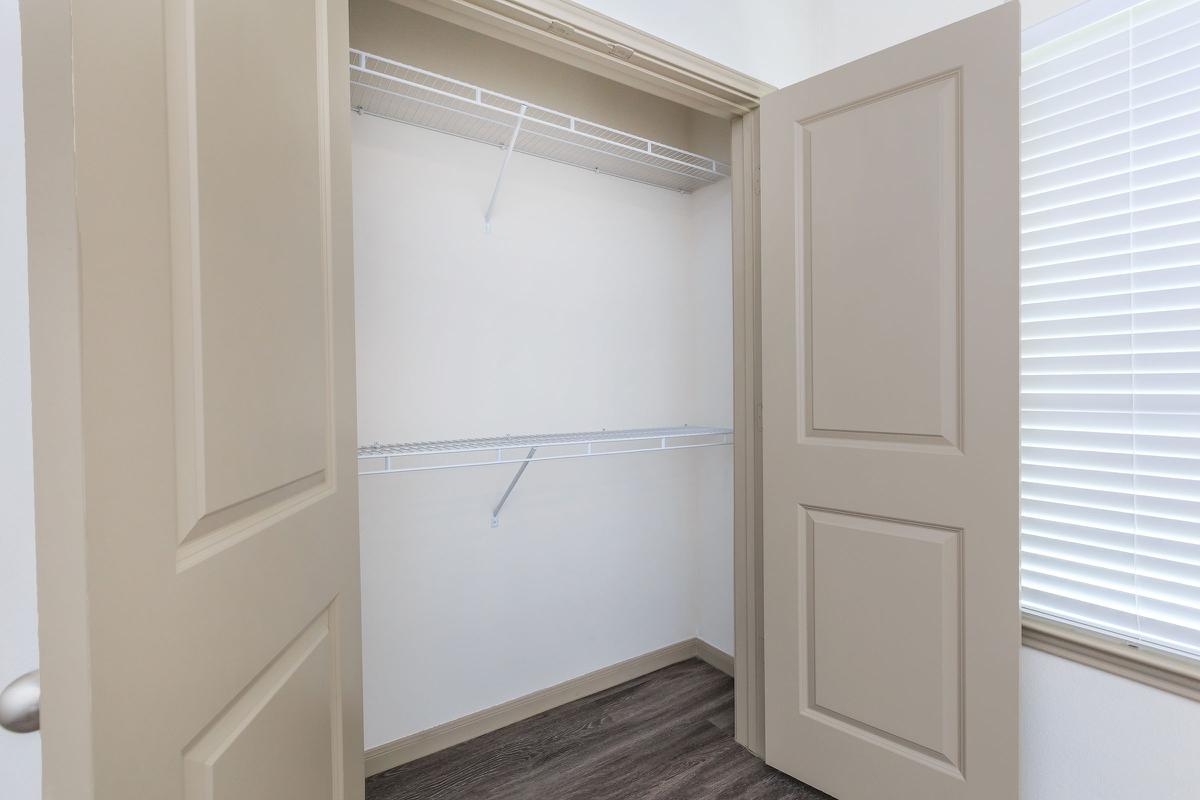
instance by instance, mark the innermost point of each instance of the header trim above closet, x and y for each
(404, 93)
(577, 35)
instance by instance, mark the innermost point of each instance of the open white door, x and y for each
(194, 409)
(889, 216)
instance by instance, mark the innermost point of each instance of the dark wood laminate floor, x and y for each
(665, 736)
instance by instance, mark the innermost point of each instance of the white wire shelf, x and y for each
(383, 459)
(379, 459)
(403, 93)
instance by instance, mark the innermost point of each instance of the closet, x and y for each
(544, 353)
(218, 243)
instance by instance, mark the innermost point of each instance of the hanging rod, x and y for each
(381, 459)
(385, 459)
(400, 92)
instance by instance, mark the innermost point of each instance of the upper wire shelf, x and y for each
(403, 93)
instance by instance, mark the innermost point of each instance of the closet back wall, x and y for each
(594, 302)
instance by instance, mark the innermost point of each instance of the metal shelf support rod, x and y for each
(487, 216)
(512, 484)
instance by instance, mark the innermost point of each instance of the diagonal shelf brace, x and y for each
(512, 485)
(487, 215)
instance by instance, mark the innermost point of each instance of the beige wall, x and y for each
(386, 29)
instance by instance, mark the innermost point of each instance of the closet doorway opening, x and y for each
(554, 294)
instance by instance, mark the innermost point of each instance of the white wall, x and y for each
(20, 755)
(1089, 735)
(589, 306)
(762, 38)
(1085, 735)
(784, 41)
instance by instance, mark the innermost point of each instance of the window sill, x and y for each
(1161, 670)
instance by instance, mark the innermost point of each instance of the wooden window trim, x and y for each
(1162, 670)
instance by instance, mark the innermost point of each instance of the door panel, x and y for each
(250, 222)
(906, 675)
(260, 262)
(212, 296)
(866, 381)
(892, 630)
(238, 755)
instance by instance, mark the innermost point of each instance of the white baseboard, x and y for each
(714, 656)
(448, 734)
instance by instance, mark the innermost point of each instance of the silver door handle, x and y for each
(21, 704)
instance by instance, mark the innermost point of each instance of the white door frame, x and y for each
(749, 700)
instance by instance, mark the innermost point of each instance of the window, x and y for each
(1110, 322)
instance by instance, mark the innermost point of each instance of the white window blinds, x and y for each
(1110, 325)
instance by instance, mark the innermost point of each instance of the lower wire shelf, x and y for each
(387, 459)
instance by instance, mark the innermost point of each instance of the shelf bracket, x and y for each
(487, 215)
(512, 485)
